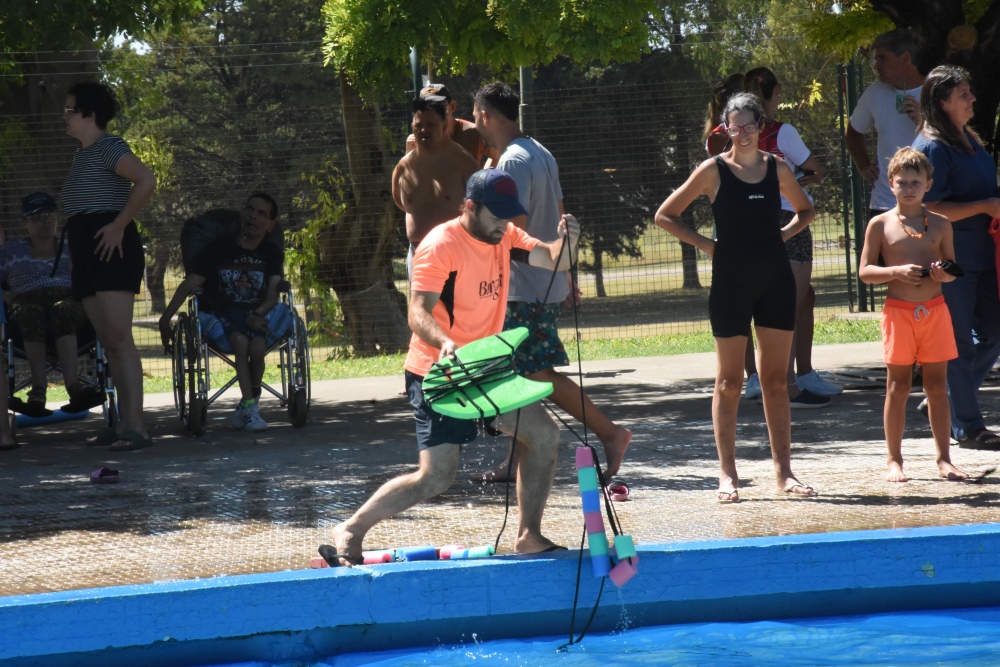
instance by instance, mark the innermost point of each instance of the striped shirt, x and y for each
(92, 184)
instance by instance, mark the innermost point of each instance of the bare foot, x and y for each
(614, 451)
(494, 475)
(894, 472)
(347, 548)
(947, 471)
(535, 544)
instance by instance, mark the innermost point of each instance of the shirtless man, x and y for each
(429, 183)
(462, 132)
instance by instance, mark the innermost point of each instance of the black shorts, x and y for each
(90, 274)
(434, 429)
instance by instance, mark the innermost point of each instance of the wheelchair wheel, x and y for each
(198, 416)
(111, 409)
(298, 408)
(182, 343)
(301, 384)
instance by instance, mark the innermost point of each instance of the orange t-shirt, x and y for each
(472, 278)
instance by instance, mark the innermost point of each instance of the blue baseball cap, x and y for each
(37, 202)
(495, 189)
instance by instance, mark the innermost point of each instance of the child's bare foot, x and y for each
(614, 451)
(947, 471)
(894, 472)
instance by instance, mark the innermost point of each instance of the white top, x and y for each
(795, 152)
(877, 108)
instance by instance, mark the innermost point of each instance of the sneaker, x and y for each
(239, 420)
(252, 421)
(752, 391)
(923, 408)
(807, 399)
(814, 384)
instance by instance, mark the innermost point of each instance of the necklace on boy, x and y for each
(908, 232)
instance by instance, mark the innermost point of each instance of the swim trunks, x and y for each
(542, 348)
(434, 429)
(921, 332)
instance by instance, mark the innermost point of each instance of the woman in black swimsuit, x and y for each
(751, 280)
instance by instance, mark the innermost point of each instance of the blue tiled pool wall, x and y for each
(308, 614)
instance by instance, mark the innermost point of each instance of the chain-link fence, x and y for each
(219, 125)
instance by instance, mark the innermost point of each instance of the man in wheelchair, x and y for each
(239, 309)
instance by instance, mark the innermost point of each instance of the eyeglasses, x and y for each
(71, 110)
(45, 216)
(734, 130)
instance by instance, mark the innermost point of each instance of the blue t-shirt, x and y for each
(960, 177)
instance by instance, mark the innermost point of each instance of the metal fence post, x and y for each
(857, 190)
(527, 109)
(845, 170)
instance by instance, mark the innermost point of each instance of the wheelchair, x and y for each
(192, 350)
(93, 369)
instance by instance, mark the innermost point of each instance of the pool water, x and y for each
(966, 637)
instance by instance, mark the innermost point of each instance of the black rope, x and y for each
(506, 494)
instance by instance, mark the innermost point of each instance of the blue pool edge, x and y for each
(305, 615)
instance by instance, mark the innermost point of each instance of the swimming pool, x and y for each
(303, 616)
(965, 637)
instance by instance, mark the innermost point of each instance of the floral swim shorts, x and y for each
(542, 348)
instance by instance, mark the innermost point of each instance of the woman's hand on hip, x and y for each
(109, 239)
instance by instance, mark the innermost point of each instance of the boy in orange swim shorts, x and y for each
(916, 324)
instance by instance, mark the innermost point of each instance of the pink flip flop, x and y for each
(618, 492)
(104, 475)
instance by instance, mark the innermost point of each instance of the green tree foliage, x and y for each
(368, 44)
(229, 100)
(959, 32)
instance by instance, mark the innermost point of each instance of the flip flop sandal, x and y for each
(104, 475)
(618, 492)
(332, 558)
(128, 441)
(103, 439)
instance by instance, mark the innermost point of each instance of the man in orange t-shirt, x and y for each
(458, 295)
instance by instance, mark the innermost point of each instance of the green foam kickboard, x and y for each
(470, 401)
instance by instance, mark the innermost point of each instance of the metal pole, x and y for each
(857, 189)
(527, 109)
(845, 170)
(418, 80)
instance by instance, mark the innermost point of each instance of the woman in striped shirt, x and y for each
(106, 188)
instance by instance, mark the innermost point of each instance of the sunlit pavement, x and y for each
(233, 503)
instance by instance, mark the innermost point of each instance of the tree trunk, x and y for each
(155, 275)
(598, 271)
(357, 250)
(689, 258)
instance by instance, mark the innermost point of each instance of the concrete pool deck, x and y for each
(234, 504)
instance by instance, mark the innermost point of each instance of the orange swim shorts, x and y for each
(920, 332)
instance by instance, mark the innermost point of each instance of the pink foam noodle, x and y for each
(376, 557)
(584, 457)
(444, 553)
(624, 570)
(594, 522)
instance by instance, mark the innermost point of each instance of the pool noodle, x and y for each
(593, 518)
(594, 522)
(624, 570)
(624, 546)
(377, 557)
(444, 553)
(411, 554)
(56, 416)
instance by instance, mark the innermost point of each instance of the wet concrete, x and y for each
(235, 503)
